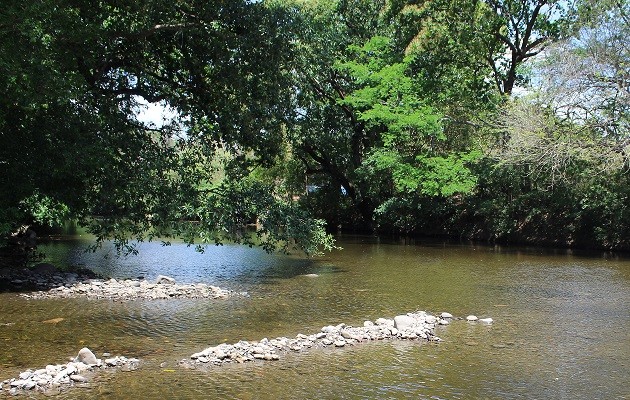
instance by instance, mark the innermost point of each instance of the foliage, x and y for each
(392, 115)
(71, 145)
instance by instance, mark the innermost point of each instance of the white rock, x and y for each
(486, 320)
(446, 315)
(163, 279)
(78, 378)
(81, 367)
(52, 369)
(340, 343)
(471, 318)
(86, 357)
(403, 322)
(26, 374)
(368, 324)
(70, 369)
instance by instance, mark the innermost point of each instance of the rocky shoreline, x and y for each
(56, 377)
(411, 326)
(47, 282)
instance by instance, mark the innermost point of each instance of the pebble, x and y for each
(53, 376)
(471, 318)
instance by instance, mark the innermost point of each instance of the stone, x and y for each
(26, 374)
(471, 318)
(19, 383)
(86, 356)
(368, 324)
(52, 370)
(486, 320)
(403, 322)
(163, 279)
(340, 343)
(78, 378)
(446, 315)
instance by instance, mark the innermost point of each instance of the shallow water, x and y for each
(561, 331)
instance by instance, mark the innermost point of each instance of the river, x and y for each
(561, 323)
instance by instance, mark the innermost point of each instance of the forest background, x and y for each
(494, 120)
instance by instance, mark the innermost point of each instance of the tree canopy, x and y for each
(296, 115)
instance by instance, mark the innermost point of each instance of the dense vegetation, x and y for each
(500, 120)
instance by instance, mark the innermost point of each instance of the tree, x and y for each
(518, 30)
(366, 125)
(71, 146)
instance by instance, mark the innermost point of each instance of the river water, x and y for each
(561, 330)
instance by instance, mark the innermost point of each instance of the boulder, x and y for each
(163, 279)
(471, 318)
(403, 322)
(86, 357)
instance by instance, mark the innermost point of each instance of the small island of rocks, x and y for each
(48, 282)
(57, 377)
(418, 325)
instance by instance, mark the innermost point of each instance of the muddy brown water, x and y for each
(561, 330)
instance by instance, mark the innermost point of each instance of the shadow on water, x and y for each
(436, 242)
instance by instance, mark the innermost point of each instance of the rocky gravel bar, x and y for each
(57, 377)
(412, 326)
(48, 282)
(131, 289)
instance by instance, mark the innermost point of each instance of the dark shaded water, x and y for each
(561, 331)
